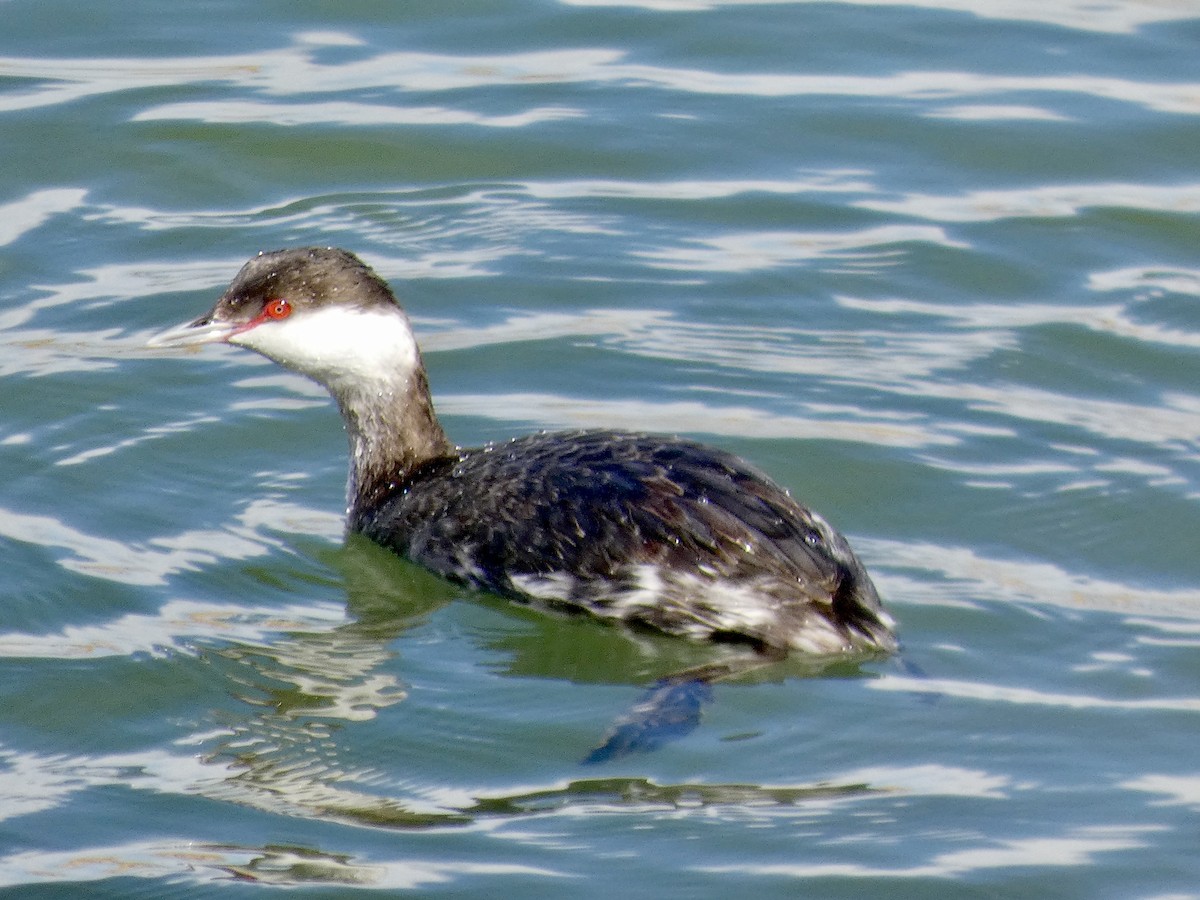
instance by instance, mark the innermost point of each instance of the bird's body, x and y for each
(654, 531)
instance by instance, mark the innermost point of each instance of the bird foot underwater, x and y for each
(668, 711)
(673, 707)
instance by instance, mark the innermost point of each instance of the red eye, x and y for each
(277, 309)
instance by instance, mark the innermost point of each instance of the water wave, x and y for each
(1118, 18)
(294, 71)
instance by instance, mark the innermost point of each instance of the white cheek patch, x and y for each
(336, 346)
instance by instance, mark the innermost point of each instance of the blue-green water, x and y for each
(934, 267)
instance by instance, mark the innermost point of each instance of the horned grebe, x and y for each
(652, 531)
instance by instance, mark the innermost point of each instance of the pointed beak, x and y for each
(204, 330)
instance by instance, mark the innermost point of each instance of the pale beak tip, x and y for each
(190, 334)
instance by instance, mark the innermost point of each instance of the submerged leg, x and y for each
(666, 712)
(671, 709)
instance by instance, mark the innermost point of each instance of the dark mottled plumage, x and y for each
(598, 505)
(655, 531)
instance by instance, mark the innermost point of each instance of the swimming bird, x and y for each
(652, 531)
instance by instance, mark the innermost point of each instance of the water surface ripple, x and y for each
(933, 266)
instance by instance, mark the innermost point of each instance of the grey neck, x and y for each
(393, 430)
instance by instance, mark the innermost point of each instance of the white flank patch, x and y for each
(648, 593)
(342, 348)
(739, 607)
(698, 605)
(819, 637)
(694, 605)
(554, 586)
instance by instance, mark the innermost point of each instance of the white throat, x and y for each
(347, 350)
(369, 361)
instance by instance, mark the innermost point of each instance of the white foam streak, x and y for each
(1078, 847)
(171, 629)
(1111, 319)
(1147, 279)
(153, 562)
(1043, 202)
(114, 281)
(861, 357)
(1084, 15)
(1175, 419)
(293, 71)
(951, 573)
(909, 362)
(148, 434)
(196, 862)
(995, 693)
(546, 327)
(929, 780)
(1178, 790)
(828, 181)
(553, 411)
(750, 251)
(980, 112)
(22, 216)
(44, 351)
(344, 113)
